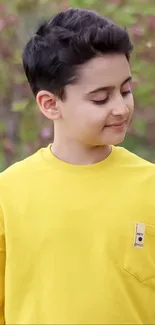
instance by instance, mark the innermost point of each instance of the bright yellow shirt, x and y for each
(77, 243)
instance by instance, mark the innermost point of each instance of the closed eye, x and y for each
(125, 93)
(100, 102)
(103, 101)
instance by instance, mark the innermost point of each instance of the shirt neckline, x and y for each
(80, 169)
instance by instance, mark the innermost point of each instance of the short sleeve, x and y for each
(2, 268)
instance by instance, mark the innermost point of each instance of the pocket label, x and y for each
(139, 235)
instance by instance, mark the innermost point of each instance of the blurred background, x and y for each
(23, 129)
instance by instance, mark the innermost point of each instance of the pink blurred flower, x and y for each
(8, 145)
(151, 21)
(46, 133)
(2, 24)
(137, 31)
(11, 19)
(2, 7)
(133, 84)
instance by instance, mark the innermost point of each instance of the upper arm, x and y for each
(2, 268)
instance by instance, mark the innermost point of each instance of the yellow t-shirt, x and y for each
(79, 241)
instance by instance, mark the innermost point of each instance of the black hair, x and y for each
(69, 39)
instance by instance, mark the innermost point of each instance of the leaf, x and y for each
(28, 130)
(2, 126)
(143, 91)
(19, 106)
(110, 8)
(19, 78)
(139, 125)
(17, 57)
(124, 18)
(2, 160)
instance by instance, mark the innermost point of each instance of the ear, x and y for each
(47, 103)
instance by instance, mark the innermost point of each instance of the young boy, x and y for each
(77, 219)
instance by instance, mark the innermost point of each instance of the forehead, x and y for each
(107, 70)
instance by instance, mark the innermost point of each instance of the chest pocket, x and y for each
(139, 258)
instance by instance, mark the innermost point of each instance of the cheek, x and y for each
(98, 114)
(87, 116)
(96, 121)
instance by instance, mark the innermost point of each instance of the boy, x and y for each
(77, 219)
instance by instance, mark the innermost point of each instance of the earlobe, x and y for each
(47, 103)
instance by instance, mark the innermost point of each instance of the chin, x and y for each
(113, 140)
(113, 135)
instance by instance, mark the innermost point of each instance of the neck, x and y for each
(77, 154)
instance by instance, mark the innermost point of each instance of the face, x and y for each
(98, 108)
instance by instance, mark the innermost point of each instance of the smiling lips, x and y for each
(118, 125)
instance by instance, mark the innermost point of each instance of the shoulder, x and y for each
(21, 171)
(135, 168)
(21, 179)
(131, 159)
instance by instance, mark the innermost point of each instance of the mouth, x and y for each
(119, 125)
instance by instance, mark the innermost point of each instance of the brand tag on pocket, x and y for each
(139, 235)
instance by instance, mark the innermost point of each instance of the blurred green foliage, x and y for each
(22, 127)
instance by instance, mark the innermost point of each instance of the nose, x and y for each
(120, 107)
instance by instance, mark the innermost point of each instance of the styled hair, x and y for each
(64, 42)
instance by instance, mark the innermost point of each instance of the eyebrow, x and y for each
(109, 87)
